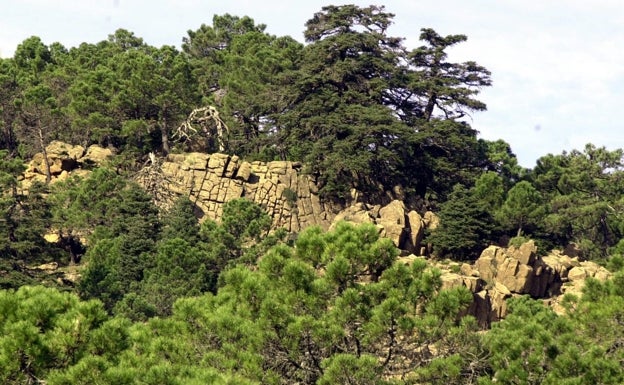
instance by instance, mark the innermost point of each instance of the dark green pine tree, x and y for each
(339, 123)
(433, 97)
(24, 218)
(447, 88)
(583, 192)
(8, 111)
(523, 208)
(124, 251)
(44, 330)
(138, 218)
(181, 222)
(465, 226)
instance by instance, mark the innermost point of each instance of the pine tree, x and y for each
(465, 226)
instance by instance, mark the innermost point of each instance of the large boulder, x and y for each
(514, 268)
(405, 229)
(96, 155)
(525, 254)
(431, 220)
(393, 223)
(244, 171)
(416, 227)
(65, 150)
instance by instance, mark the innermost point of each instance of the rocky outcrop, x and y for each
(209, 180)
(405, 228)
(501, 273)
(289, 196)
(64, 158)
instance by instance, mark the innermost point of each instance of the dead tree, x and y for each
(152, 178)
(203, 120)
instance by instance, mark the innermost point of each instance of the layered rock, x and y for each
(209, 180)
(289, 197)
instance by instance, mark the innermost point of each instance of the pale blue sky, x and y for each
(557, 65)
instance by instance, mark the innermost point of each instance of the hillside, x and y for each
(252, 210)
(290, 199)
(401, 317)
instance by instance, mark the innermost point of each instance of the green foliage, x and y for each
(81, 206)
(465, 226)
(239, 236)
(502, 161)
(465, 366)
(522, 209)
(43, 329)
(363, 120)
(229, 301)
(340, 126)
(448, 87)
(244, 220)
(289, 320)
(122, 245)
(180, 221)
(532, 345)
(139, 272)
(354, 104)
(346, 368)
(352, 329)
(452, 155)
(615, 263)
(489, 189)
(583, 191)
(252, 94)
(524, 345)
(24, 218)
(518, 241)
(8, 109)
(290, 196)
(181, 270)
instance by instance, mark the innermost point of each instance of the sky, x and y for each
(557, 65)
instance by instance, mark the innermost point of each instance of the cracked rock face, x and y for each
(289, 196)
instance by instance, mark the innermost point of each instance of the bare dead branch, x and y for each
(205, 120)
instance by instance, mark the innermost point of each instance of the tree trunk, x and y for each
(164, 137)
(430, 106)
(46, 161)
(164, 131)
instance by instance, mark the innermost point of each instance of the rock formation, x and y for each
(63, 159)
(291, 198)
(500, 273)
(405, 228)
